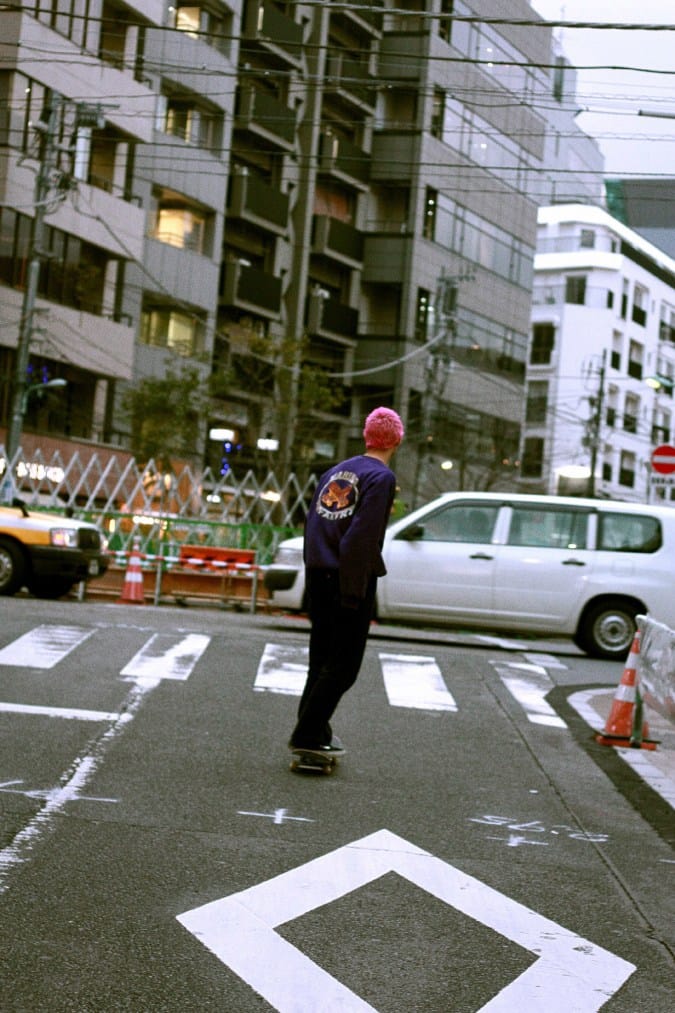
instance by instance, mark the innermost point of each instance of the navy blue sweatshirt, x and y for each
(346, 522)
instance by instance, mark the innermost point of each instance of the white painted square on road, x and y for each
(569, 972)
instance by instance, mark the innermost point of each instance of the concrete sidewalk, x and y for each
(655, 766)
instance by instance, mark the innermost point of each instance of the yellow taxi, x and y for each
(47, 553)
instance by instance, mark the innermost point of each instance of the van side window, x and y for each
(466, 523)
(629, 533)
(552, 529)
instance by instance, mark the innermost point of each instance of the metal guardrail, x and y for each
(163, 506)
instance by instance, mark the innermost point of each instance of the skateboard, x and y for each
(312, 761)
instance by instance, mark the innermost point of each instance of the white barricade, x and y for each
(656, 668)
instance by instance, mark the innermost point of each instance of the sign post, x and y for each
(663, 468)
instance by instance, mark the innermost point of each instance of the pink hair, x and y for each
(383, 429)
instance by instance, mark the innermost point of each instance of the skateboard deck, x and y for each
(312, 761)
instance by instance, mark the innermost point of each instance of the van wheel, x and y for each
(606, 630)
(12, 567)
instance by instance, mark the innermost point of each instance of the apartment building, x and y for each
(601, 367)
(318, 207)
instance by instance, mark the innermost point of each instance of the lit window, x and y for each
(180, 227)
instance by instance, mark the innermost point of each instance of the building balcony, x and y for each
(253, 200)
(387, 257)
(274, 31)
(338, 240)
(396, 154)
(343, 160)
(350, 79)
(369, 21)
(374, 350)
(403, 56)
(329, 318)
(265, 116)
(251, 289)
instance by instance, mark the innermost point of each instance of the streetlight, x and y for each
(34, 388)
(7, 486)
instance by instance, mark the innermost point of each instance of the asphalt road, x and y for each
(475, 849)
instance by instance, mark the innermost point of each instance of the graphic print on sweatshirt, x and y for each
(339, 496)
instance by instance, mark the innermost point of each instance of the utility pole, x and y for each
(436, 374)
(595, 423)
(48, 129)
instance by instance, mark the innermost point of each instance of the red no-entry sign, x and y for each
(663, 459)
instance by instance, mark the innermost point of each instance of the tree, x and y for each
(166, 415)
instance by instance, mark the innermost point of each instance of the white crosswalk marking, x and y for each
(410, 680)
(413, 680)
(44, 646)
(529, 684)
(166, 656)
(282, 669)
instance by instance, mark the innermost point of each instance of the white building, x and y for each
(601, 362)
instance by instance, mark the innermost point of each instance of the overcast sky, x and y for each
(632, 144)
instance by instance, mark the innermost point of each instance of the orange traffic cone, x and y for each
(624, 725)
(132, 592)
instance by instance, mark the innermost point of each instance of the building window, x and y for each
(202, 22)
(438, 113)
(635, 357)
(430, 204)
(164, 327)
(183, 118)
(640, 303)
(624, 299)
(533, 457)
(445, 20)
(575, 289)
(536, 406)
(543, 336)
(178, 224)
(627, 469)
(631, 412)
(422, 315)
(587, 240)
(667, 324)
(113, 38)
(559, 79)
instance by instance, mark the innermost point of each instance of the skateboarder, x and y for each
(344, 533)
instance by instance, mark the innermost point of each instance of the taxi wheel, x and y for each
(12, 567)
(49, 587)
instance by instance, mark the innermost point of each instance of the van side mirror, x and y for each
(411, 533)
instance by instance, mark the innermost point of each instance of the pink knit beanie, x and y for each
(383, 429)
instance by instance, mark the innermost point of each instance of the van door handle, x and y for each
(573, 562)
(480, 555)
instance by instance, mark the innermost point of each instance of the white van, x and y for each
(578, 567)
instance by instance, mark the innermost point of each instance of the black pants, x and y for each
(336, 646)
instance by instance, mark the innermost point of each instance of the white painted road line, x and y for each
(547, 660)
(166, 656)
(71, 713)
(44, 646)
(569, 972)
(415, 681)
(23, 845)
(529, 684)
(282, 669)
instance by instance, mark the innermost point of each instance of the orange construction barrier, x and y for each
(132, 591)
(624, 725)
